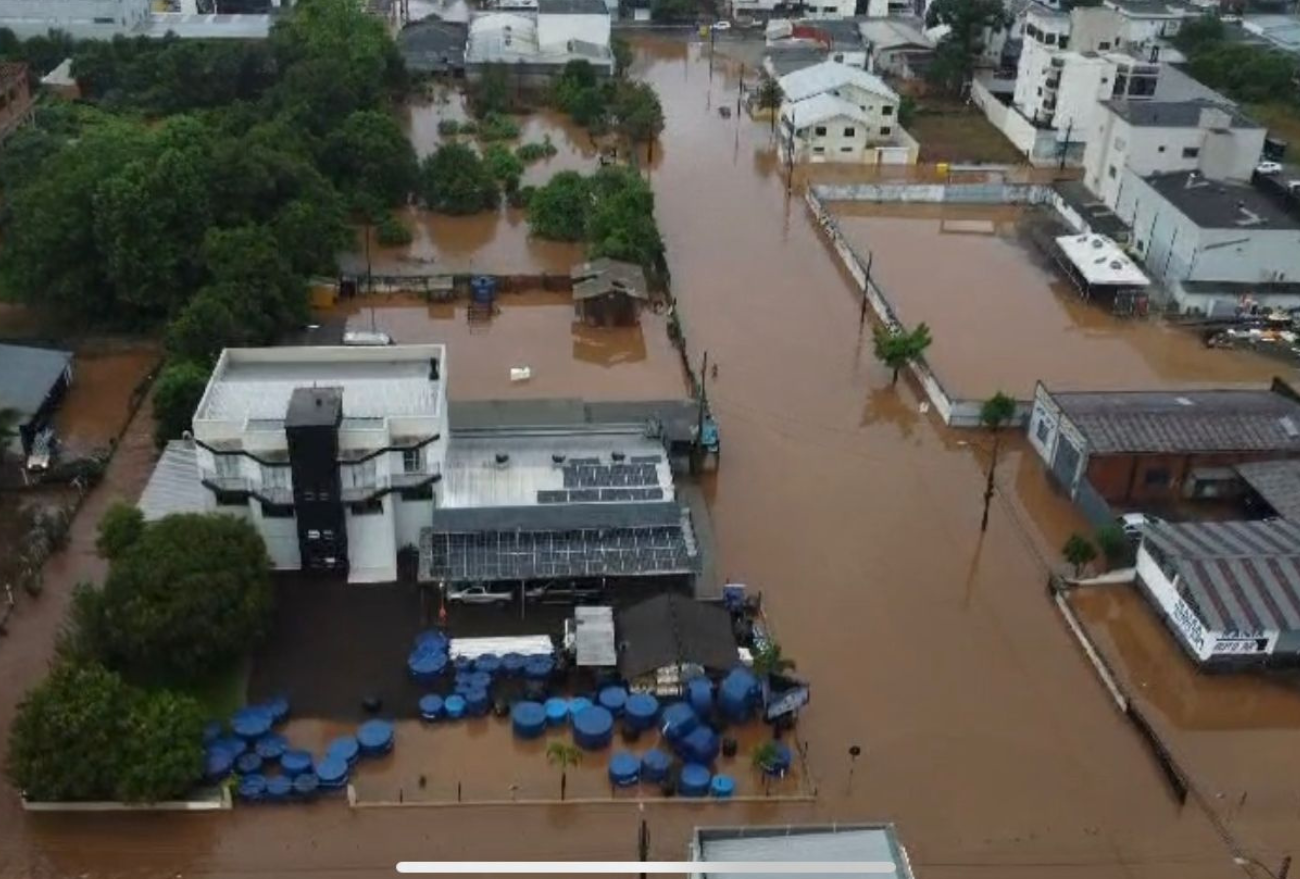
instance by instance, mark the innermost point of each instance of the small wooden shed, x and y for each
(607, 292)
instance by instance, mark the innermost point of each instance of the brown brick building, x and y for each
(15, 97)
(1149, 447)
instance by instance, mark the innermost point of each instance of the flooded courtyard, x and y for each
(1003, 317)
(930, 646)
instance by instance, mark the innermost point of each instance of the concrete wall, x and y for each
(952, 193)
(1039, 145)
(83, 19)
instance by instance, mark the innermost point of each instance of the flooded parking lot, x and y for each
(930, 646)
(1003, 317)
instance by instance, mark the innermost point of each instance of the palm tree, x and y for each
(996, 411)
(563, 755)
(769, 96)
(769, 661)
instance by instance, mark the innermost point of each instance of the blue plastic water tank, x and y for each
(738, 694)
(488, 663)
(624, 769)
(432, 639)
(375, 737)
(278, 788)
(641, 711)
(513, 663)
(677, 720)
(528, 720)
(779, 763)
(430, 706)
(694, 780)
(278, 706)
(612, 699)
(305, 785)
(251, 723)
(424, 668)
(294, 762)
(331, 773)
(345, 748)
(477, 702)
(248, 763)
(539, 668)
(655, 765)
(700, 745)
(483, 288)
(463, 663)
(212, 731)
(722, 786)
(454, 706)
(252, 788)
(699, 693)
(593, 728)
(217, 764)
(577, 705)
(271, 746)
(232, 745)
(557, 711)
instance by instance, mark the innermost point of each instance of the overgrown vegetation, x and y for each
(455, 180)
(955, 55)
(529, 153)
(1244, 72)
(612, 210)
(390, 231)
(627, 106)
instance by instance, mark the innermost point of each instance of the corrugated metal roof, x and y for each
(1239, 576)
(1277, 482)
(1184, 421)
(835, 844)
(822, 108)
(174, 485)
(601, 276)
(28, 374)
(594, 636)
(673, 630)
(828, 75)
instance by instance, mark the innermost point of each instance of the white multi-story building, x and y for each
(83, 19)
(836, 113)
(561, 22)
(334, 454)
(1150, 137)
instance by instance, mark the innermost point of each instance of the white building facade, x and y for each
(82, 19)
(836, 113)
(334, 454)
(561, 21)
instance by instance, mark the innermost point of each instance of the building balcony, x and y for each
(244, 487)
(394, 482)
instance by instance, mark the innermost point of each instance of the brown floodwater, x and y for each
(984, 734)
(1002, 317)
(96, 406)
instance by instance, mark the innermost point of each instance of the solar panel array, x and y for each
(597, 495)
(581, 473)
(589, 552)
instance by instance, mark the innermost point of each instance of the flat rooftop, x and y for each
(1095, 212)
(381, 382)
(207, 27)
(1101, 261)
(1214, 204)
(1176, 114)
(833, 843)
(27, 375)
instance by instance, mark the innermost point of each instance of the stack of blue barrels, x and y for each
(694, 780)
(699, 695)
(677, 721)
(655, 765)
(700, 745)
(739, 694)
(483, 289)
(375, 737)
(612, 699)
(428, 659)
(430, 707)
(557, 711)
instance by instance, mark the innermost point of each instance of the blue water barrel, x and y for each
(641, 711)
(624, 769)
(251, 723)
(655, 765)
(331, 773)
(424, 668)
(699, 693)
(375, 737)
(738, 694)
(295, 762)
(217, 764)
(432, 640)
(430, 706)
(577, 705)
(612, 699)
(248, 764)
(483, 288)
(557, 711)
(489, 664)
(528, 720)
(454, 706)
(212, 731)
(477, 702)
(593, 728)
(465, 683)
(700, 745)
(694, 780)
(539, 668)
(513, 663)
(278, 788)
(779, 763)
(463, 663)
(722, 786)
(232, 745)
(481, 678)
(271, 746)
(677, 720)
(252, 788)
(278, 706)
(305, 785)
(345, 748)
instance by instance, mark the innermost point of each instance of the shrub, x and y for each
(535, 152)
(559, 209)
(502, 164)
(121, 526)
(454, 180)
(176, 395)
(392, 232)
(496, 126)
(448, 127)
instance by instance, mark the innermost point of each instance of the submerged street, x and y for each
(984, 733)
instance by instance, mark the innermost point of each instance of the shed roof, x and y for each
(671, 629)
(433, 44)
(1120, 422)
(1101, 261)
(27, 375)
(782, 59)
(829, 75)
(1240, 577)
(601, 276)
(884, 34)
(1277, 482)
(1095, 212)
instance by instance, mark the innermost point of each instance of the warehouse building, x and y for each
(1229, 591)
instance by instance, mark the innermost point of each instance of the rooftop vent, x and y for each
(502, 459)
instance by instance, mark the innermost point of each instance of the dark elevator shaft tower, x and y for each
(312, 428)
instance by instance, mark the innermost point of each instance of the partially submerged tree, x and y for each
(565, 756)
(1079, 552)
(996, 412)
(454, 180)
(120, 528)
(898, 347)
(769, 97)
(1115, 546)
(639, 115)
(369, 156)
(769, 660)
(558, 211)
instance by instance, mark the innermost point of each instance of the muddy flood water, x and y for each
(1002, 317)
(984, 733)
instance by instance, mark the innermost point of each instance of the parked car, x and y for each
(1268, 168)
(479, 593)
(1133, 524)
(721, 25)
(564, 592)
(367, 338)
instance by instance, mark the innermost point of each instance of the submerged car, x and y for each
(1134, 524)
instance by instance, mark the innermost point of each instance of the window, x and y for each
(413, 460)
(1043, 432)
(1110, 172)
(1103, 46)
(277, 511)
(885, 131)
(1191, 152)
(227, 466)
(839, 56)
(424, 493)
(1155, 476)
(847, 149)
(1065, 41)
(819, 150)
(231, 499)
(275, 477)
(887, 110)
(373, 507)
(820, 131)
(1051, 39)
(849, 131)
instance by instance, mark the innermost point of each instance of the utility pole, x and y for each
(866, 285)
(741, 93)
(643, 842)
(988, 488)
(699, 427)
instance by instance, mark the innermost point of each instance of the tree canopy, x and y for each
(997, 410)
(454, 180)
(1244, 72)
(612, 210)
(121, 526)
(898, 347)
(176, 394)
(968, 22)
